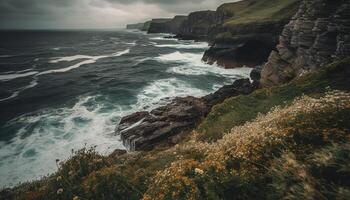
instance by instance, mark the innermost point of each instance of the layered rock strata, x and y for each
(317, 34)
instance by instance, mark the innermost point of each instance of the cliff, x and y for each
(247, 31)
(197, 25)
(159, 26)
(146, 26)
(317, 34)
(137, 26)
(289, 141)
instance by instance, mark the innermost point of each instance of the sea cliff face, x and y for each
(166, 25)
(317, 34)
(197, 25)
(137, 26)
(239, 41)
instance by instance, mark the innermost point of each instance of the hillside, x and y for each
(297, 150)
(253, 11)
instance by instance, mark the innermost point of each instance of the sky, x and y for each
(78, 14)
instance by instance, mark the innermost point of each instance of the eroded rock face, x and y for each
(144, 130)
(166, 25)
(245, 45)
(159, 26)
(197, 26)
(317, 34)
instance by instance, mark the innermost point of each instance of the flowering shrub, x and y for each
(245, 154)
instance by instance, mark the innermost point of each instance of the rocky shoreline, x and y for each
(168, 124)
(243, 44)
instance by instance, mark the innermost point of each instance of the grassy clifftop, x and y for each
(254, 11)
(298, 150)
(238, 110)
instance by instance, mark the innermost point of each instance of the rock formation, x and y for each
(137, 26)
(237, 42)
(197, 25)
(317, 34)
(167, 124)
(159, 26)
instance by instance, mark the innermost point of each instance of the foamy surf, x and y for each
(97, 102)
(90, 60)
(198, 45)
(162, 91)
(53, 134)
(8, 77)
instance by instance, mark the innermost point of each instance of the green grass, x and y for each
(254, 11)
(238, 110)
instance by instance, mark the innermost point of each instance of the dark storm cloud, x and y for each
(92, 13)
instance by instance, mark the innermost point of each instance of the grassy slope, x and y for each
(130, 176)
(237, 110)
(257, 11)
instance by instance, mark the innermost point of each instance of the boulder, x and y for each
(166, 124)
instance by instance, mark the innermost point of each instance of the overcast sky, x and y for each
(48, 14)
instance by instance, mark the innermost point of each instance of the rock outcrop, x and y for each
(317, 34)
(167, 124)
(197, 26)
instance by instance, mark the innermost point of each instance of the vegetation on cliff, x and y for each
(252, 11)
(298, 149)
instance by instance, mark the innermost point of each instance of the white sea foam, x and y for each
(192, 64)
(205, 69)
(52, 135)
(32, 84)
(7, 77)
(90, 60)
(131, 43)
(162, 91)
(35, 74)
(197, 45)
(179, 57)
(162, 38)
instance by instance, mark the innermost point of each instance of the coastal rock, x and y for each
(166, 124)
(245, 45)
(159, 26)
(197, 26)
(137, 26)
(166, 25)
(316, 35)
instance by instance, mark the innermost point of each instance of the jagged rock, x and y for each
(255, 75)
(144, 130)
(117, 152)
(316, 35)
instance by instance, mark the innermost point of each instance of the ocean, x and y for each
(64, 90)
